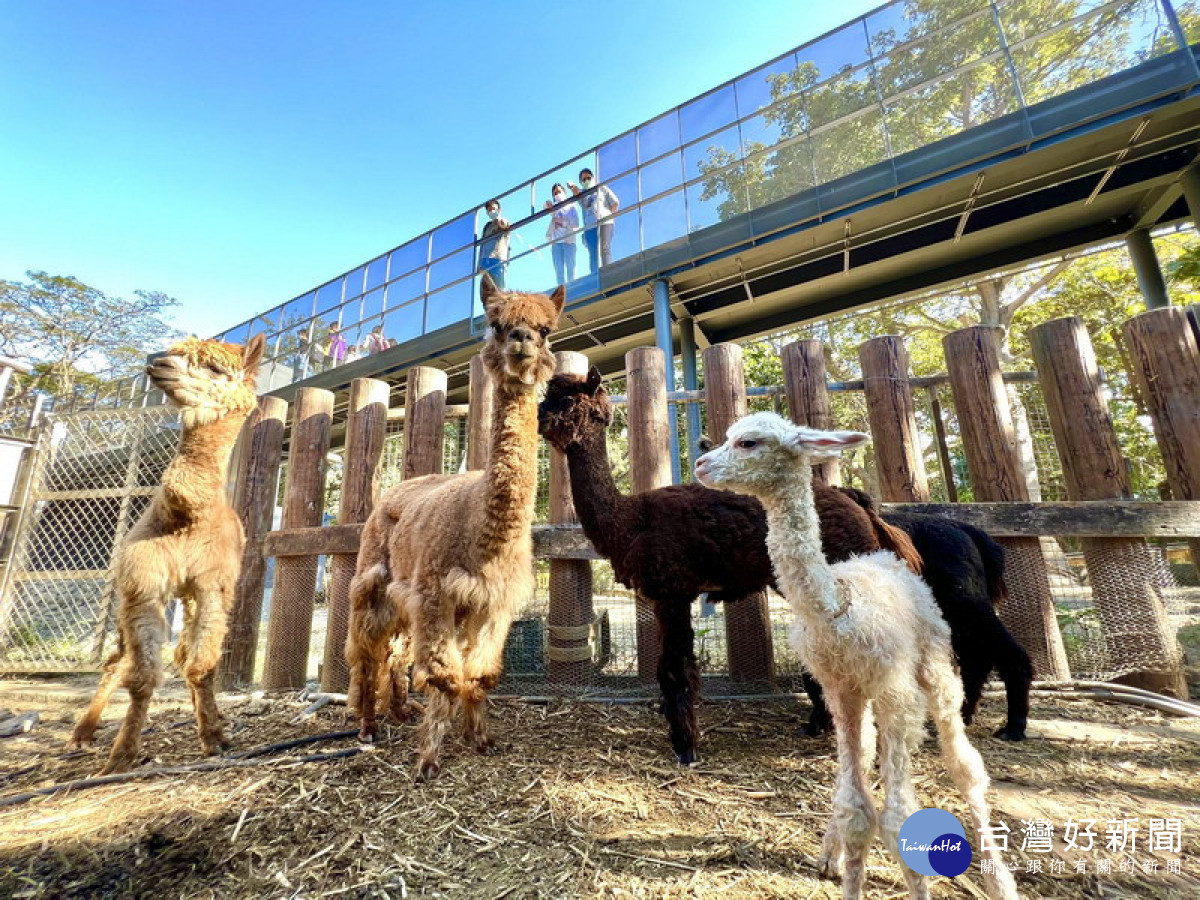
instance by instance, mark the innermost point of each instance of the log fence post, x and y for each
(892, 416)
(808, 397)
(424, 421)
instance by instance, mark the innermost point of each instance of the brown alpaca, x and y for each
(445, 559)
(188, 544)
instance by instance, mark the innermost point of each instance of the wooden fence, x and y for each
(1114, 528)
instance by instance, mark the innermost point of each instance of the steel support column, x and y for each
(691, 382)
(1145, 265)
(1190, 182)
(664, 341)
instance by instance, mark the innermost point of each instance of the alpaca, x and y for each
(965, 569)
(672, 543)
(445, 559)
(188, 544)
(870, 631)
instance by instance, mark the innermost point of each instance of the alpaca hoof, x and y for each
(829, 866)
(406, 713)
(77, 744)
(428, 769)
(687, 757)
(366, 736)
(1009, 734)
(115, 766)
(814, 728)
(486, 747)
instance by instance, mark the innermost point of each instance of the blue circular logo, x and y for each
(933, 842)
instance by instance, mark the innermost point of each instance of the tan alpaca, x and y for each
(446, 559)
(188, 544)
(870, 631)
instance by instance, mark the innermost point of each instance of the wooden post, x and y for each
(479, 417)
(424, 418)
(747, 620)
(808, 397)
(290, 627)
(570, 615)
(1138, 638)
(366, 430)
(892, 415)
(649, 468)
(254, 501)
(990, 444)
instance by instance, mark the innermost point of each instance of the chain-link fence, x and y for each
(93, 476)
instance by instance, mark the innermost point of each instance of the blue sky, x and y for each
(235, 154)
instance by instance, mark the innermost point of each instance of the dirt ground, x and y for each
(583, 801)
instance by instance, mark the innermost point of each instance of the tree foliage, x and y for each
(80, 341)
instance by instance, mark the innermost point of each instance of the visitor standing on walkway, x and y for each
(336, 354)
(561, 232)
(493, 244)
(599, 206)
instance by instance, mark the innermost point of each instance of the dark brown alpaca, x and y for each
(672, 543)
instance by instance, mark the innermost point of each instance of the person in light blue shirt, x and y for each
(561, 231)
(599, 206)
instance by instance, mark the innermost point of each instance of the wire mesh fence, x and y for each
(93, 476)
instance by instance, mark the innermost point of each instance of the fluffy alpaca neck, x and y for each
(194, 481)
(794, 544)
(511, 479)
(595, 494)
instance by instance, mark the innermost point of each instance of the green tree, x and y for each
(80, 341)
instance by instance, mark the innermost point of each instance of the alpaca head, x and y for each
(208, 380)
(573, 409)
(517, 350)
(764, 451)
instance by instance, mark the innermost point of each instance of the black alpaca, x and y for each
(673, 543)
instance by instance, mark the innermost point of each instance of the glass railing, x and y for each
(913, 88)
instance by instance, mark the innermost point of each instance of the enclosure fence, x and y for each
(1093, 578)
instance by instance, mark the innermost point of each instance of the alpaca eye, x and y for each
(544, 331)
(747, 444)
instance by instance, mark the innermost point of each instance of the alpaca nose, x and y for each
(520, 335)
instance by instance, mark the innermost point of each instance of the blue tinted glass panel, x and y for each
(625, 189)
(407, 288)
(372, 304)
(764, 86)
(846, 94)
(708, 113)
(627, 235)
(268, 321)
(713, 152)
(453, 235)
(664, 220)
(329, 295)
(457, 265)
(453, 304)
(564, 175)
(330, 318)
(658, 137)
(530, 271)
(617, 156)
(298, 310)
(376, 273)
(845, 48)
(943, 108)
(405, 323)
(354, 282)
(925, 60)
(410, 256)
(718, 198)
(351, 313)
(238, 335)
(864, 133)
(661, 175)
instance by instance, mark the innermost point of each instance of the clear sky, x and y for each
(236, 154)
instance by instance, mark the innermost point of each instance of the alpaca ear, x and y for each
(252, 353)
(488, 292)
(559, 298)
(825, 443)
(593, 381)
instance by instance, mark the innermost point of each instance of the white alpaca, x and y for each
(870, 631)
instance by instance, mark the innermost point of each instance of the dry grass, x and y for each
(584, 801)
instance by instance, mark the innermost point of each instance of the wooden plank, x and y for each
(318, 541)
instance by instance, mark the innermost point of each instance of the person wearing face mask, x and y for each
(599, 206)
(561, 232)
(493, 244)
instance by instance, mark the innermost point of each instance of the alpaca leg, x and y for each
(372, 622)
(678, 675)
(943, 689)
(198, 653)
(400, 708)
(852, 825)
(900, 800)
(114, 668)
(974, 676)
(819, 722)
(1017, 673)
(143, 629)
(439, 713)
